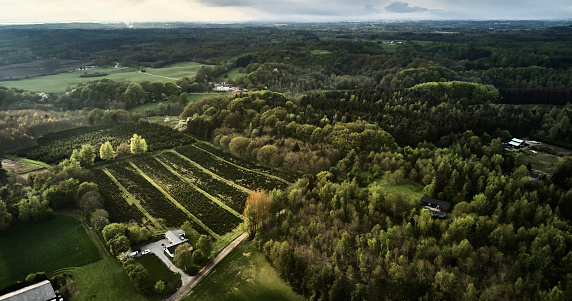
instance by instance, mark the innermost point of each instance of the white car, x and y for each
(145, 252)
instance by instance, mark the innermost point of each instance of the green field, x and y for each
(61, 242)
(154, 105)
(407, 188)
(244, 274)
(543, 162)
(59, 82)
(19, 166)
(232, 74)
(104, 280)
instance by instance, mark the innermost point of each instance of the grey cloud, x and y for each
(403, 7)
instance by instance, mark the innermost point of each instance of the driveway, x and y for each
(189, 282)
(185, 289)
(157, 249)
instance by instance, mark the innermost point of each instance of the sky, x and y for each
(48, 11)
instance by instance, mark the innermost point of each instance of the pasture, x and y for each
(47, 246)
(59, 82)
(244, 274)
(103, 280)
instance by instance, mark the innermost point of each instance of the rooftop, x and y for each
(437, 204)
(41, 291)
(175, 236)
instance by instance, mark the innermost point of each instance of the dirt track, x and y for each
(186, 288)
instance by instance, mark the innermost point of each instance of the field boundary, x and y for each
(242, 167)
(175, 202)
(208, 195)
(131, 200)
(214, 174)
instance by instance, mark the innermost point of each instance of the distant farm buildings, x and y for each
(224, 87)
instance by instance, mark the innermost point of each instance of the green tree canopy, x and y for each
(138, 145)
(106, 151)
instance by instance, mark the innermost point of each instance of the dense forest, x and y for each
(350, 108)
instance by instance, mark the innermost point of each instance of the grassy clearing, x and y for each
(60, 242)
(243, 275)
(59, 82)
(19, 166)
(103, 280)
(159, 271)
(407, 188)
(232, 74)
(543, 162)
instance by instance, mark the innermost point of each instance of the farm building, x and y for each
(437, 207)
(41, 291)
(176, 238)
(517, 143)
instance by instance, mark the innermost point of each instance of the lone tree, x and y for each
(138, 145)
(256, 210)
(106, 151)
(183, 257)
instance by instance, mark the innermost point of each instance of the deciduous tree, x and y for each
(256, 210)
(138, 145)
(106, 151)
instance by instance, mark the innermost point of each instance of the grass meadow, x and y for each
(59, 82)
(103, 280)
(244, 274)
(47, 246)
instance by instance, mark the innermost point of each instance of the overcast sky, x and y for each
(32, 11)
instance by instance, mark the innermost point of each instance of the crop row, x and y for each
(242, 177)
(119, 210)
(151, 199)
(212, 215)
(59, 146)
(226, 193)
(286, 175)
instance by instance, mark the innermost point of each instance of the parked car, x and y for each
(145, 252)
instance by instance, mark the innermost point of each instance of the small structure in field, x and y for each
(41, 291)
(176, 238)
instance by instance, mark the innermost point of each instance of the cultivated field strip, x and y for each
(250, 179)
(119, 210)
(151, 199)
(226, 193)
(211, 214)
(284, 175)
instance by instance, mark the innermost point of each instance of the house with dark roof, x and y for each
(435, 205)
(176, 238)
(41, 291)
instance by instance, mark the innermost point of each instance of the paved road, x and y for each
(187, 287)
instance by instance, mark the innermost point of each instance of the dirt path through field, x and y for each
(186, 288)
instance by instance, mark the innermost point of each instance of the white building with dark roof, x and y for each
(41, 291)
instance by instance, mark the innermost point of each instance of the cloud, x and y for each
(404, 8)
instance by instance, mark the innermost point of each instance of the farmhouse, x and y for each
(41, 291)
(176, 238)
(436, 207)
